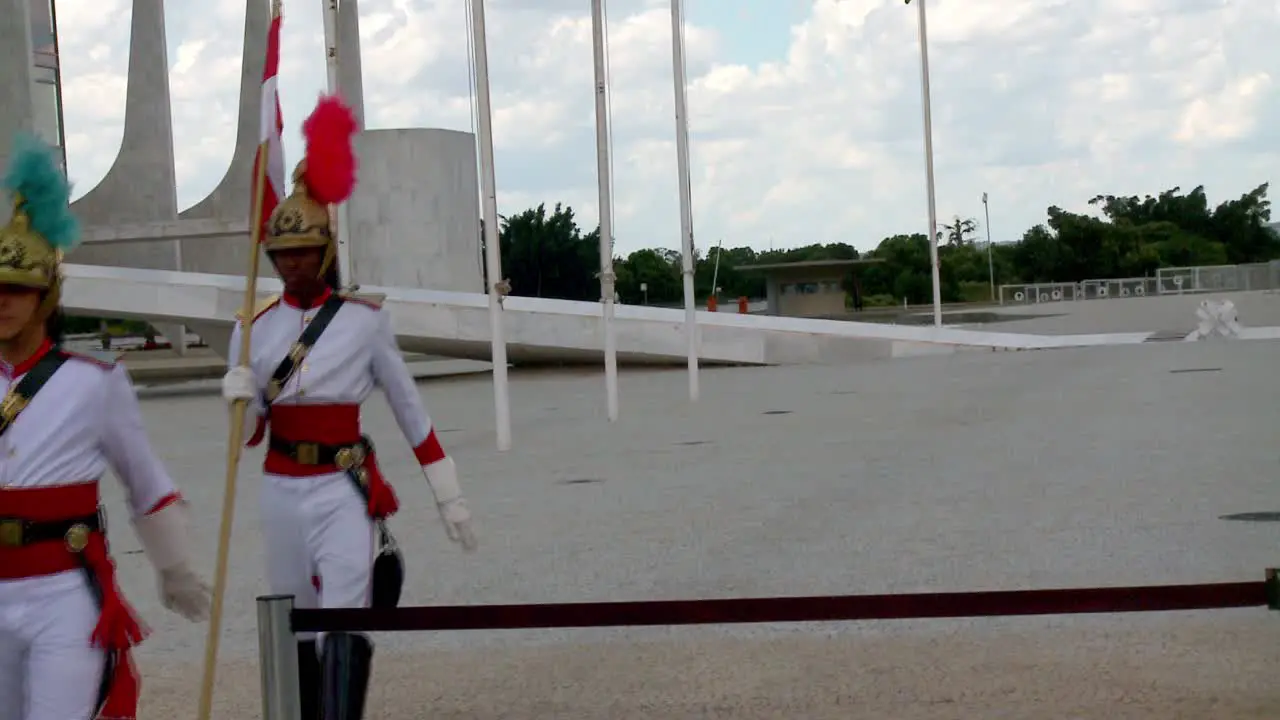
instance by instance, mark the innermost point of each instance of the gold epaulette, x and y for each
(373, 300)
(262, 306)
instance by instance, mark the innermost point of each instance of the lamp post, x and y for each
(928, 163)
(991, 265)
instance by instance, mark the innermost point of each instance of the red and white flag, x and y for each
(272, 126)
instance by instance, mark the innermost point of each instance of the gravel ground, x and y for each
(1080, 467)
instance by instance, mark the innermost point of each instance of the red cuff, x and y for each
(429, 450)
(165, 502)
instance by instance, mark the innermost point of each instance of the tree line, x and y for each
(546, 254)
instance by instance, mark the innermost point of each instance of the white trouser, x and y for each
(49, 670)
(317, 527)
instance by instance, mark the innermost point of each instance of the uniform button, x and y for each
(305, 367)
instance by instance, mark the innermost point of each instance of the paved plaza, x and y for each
(1064, 468)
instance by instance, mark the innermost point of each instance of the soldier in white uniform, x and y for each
(65, 627)
(316, 354)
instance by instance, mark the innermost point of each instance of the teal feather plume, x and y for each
(34, 174)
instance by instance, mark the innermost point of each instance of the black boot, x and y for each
(309, 679)
(345, 667)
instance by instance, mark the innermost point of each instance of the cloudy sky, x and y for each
(805, 114)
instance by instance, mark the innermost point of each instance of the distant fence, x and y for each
(1168, 281)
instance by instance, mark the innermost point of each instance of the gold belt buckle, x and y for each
(77, 537)
(349, 457)
(308, 453)
(11, 533)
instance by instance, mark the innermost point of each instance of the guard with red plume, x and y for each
(316, 352)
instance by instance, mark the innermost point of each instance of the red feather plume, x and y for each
(331, 159)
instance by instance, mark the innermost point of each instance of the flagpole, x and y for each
(238, 411)
(606, 211)
(345, 269)
(928, 163)
(493, 256)
(686, 193)
(234, 441)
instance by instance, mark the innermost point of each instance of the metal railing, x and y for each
(279, 622)
(1168, 281)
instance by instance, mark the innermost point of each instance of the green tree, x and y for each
(547, 254)
(957, 232)
(658, 269)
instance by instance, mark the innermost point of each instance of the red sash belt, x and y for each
(118, 628)
(325, 425)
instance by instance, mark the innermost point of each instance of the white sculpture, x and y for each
(1216, 318)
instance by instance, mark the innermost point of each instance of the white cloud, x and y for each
(1037, 102)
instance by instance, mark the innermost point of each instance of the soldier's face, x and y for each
(18, 306)
(298, 267)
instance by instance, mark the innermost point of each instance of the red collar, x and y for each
(294, 302)
(25, 366)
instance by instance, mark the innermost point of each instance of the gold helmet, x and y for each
(325, 177)
(42, 227)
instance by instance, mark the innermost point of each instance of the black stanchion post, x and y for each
(278, 658)
(1273, 588)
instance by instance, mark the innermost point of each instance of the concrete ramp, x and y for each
(456, 324)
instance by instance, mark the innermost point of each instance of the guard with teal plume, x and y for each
(42, 228)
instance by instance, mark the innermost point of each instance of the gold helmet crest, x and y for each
(299, 221)
(26, 258)
(42, 227)
(325, 177)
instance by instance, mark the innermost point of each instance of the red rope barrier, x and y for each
(1155, 598)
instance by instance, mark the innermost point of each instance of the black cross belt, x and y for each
(16, 532)
(346, 456)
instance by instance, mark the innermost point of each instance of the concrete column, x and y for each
(17, 112)
(141, 185)
(350, 75)
(230, 200)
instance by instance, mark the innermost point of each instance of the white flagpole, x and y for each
(928, 164)
(331, 65)
(991, 263)
(493, 255)
(606, 210)
(686, 193)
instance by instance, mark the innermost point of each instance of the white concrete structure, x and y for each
(456, 324)
(415, 216)
(415, 213)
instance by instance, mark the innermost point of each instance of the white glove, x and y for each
(442, 477)
(163, 535)
(184, 593)
(457, 522)
(239, 384)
